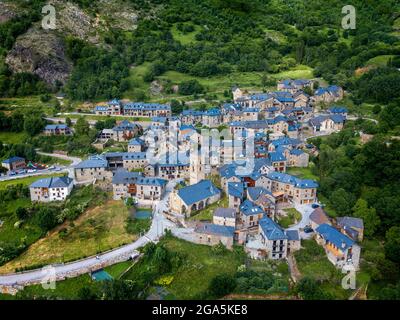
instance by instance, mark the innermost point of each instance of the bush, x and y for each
(221, 285)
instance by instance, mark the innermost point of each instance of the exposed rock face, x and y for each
(73, 21)
(42, 53)
(7, 12)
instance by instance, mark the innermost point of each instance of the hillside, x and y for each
(144, 49)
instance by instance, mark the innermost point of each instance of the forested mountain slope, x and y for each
(97, 42)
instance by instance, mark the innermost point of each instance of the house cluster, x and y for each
(338, 237)
(254, 194)
(133, 109)
(122, 132)
(247, 168)
(51, 189)
(14, 163)
(57, 130)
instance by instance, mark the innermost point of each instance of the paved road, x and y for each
(157, 229)
(305, 210)
(61, 119)
(69, 169)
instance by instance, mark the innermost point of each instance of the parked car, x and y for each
(31, 170)
(308, 229)
(315, 205)
(57, 169)
(12, 173)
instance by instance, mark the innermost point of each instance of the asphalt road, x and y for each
(157, 229)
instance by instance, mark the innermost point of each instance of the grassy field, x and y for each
(12, 137)
(69, 288)
(213, 85)
(26, 181)
(293, 216)
(201, 265)
(26, 104)
(8, 233)
(303, 173)
(312, 262)
(99, 229)
(207, 213)
(379, 61)
(184, 38)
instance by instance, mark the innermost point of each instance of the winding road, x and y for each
(76, 268)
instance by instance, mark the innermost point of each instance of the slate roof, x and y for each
(125, 125)
(123, 176)
(319, 216)
(225, 213)
(287, 178)
(248, 208)
(350, 222)
(255, 192)
(56, 126)
(330, 234)
(136, 141)
(54, 182)
(297, 152)
(93, 162)
(236, 189)
(151, 181)
(338, 109)
(293, 235)
(197, 192)
(13, 159)
(146, 106)
(271, 229)
(215, 229)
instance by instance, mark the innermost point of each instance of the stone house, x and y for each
(194, 197)
(352, 227)
(57, 130)
(125, 131)
(225, 217)
(249, 214)
(95, 167)
(340, 249)
(318, 217)
(299, 191)
(214, 234)
(327, 123)
(13, 163)
(51, 189)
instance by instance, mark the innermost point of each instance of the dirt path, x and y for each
(294, 271)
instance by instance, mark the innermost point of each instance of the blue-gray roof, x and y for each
(271, 229)
(136, 141)
(248, 208)
(236, 189)
(330, 234)
(56, 126)
(54, 182)
(123, 176)
(293, 235)
(215, 229)
(255, 192)
(225, 213)
(13, 159)
(287, 178)
(151, 181)
(93, 162)
(197, 192)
